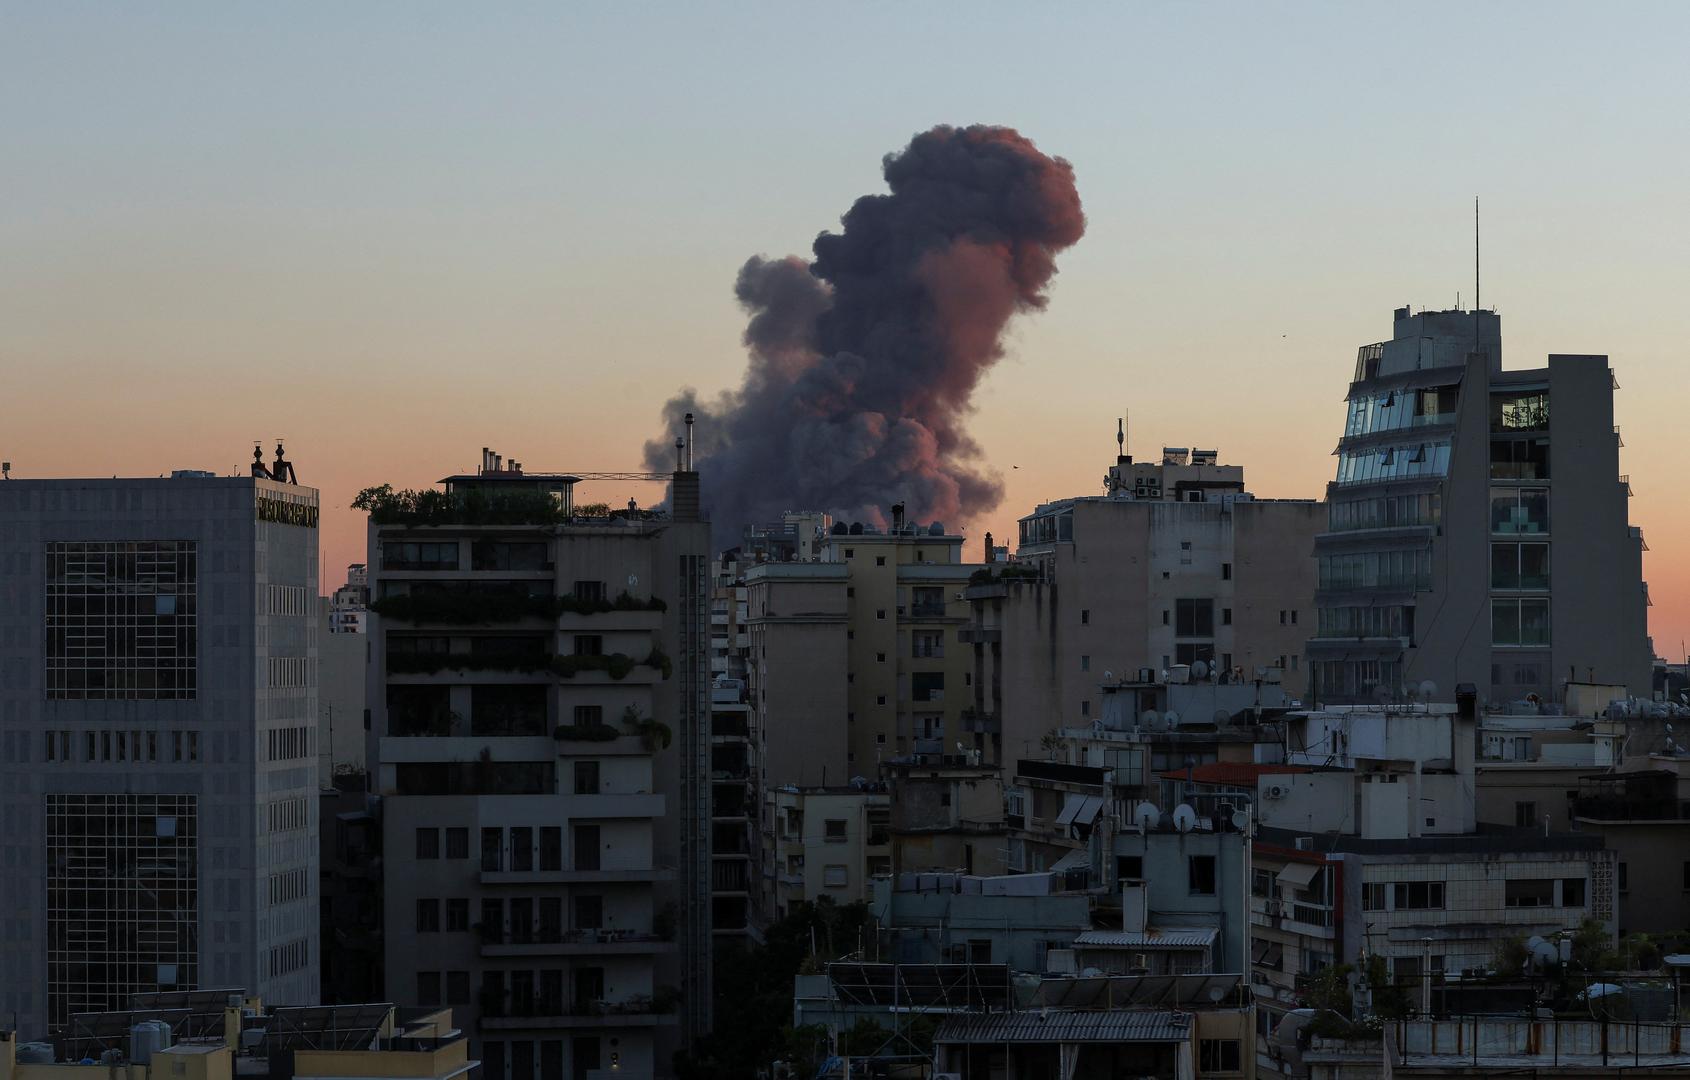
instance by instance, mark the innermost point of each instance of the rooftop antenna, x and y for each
(1121, 435)
(1476, 305)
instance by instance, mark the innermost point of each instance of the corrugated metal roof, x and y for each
(1112, 1025)
(1233, 773)
(1151, 938)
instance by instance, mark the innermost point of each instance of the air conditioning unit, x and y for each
(1305, 843)
(1275, 791)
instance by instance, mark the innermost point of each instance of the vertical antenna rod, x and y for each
(1475, 253)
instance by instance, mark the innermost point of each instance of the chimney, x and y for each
(988, 547)
(688, 466)
(486, 459)
(498, 462)
(897, 517)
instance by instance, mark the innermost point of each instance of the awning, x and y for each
(1298, 875)
(1263, 951)
(1089, 810)
(1071, 804)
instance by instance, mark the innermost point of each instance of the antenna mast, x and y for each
(1476, 253)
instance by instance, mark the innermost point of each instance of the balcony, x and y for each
(927, 611)
(614, 875)
(498, 1013)
(575, 943)
(980, 635)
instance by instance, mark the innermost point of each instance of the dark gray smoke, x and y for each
(864, 361)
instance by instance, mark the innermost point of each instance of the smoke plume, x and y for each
(864, 361)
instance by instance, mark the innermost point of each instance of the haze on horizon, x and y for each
(396, 233)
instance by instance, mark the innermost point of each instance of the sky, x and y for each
(397, 232)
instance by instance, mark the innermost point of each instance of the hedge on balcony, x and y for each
(430, 507)
(585, 733)
(469, 607)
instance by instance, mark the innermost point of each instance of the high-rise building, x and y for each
(540, 707)
(1177, 568)
(348, 606)
(158, 703)
(1478, 528)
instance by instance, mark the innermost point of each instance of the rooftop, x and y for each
(1105, 1026)
(1488, 840)
(1232, 773)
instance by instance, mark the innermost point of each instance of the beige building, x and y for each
(1177, 566)
(947, 814)
(827, 842)
(881, 613)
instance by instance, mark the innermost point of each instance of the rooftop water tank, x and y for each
(147, 1038)
(35, 1053)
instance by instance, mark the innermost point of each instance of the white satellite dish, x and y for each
(1199, 670)
(1108, 676)
(1151, 720)
(1185, 818)
(1147, 816)
(1171, 718)
(1428, 690)
(1241, 819)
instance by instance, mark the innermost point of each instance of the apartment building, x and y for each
(540, 709)
(736, 813)
(1477, 526)
(158, 700)
(1177, 568)
(828, 842)
(349, 606)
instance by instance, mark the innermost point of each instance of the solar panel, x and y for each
(977, 986)
(88, 1035)
(1119, 991)
(199, 1000)
(325, 1027)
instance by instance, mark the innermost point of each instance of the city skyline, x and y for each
(543, 252)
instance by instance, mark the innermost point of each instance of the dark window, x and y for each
(522, 848)
(589, 715)
(1572, 889)
(492, 840)
(1085, 616)
(1624, 885)
(1525, 814)
(1226, 571)
(508, 555)
(1218, 1055)
(1529, 892)
(927, 686)
(586, 778)
(1200, 875)
(457, 843)
(1129, 866)
(1417, 895)
(492, 920)
(587, 1056)
(586, 839)
(551, 847)
(588, 590)
(428, 988)
(457, 988)
(589, 645)
(880, 560)
(589, 912)
(457, 914)
(428, 916)
(428, 843)
(415, 555)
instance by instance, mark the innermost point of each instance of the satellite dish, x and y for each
(1222, 717)
(1216, 993)
(1151, 720)
(1241, 819)
(1147, 816)
(633, 580)
(1108, 675)
(1428, 690)
(1199, 670)
(1545, 954)
(1185, 818)
(1171, 718)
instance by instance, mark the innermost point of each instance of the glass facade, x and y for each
(122, 619)
(122, 899)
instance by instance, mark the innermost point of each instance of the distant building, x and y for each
(1477, 529)
(349, 606)
(1176, 568)
(158, 639)
(736, 812)
(947, 814)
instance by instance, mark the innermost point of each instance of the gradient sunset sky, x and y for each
(395, 233)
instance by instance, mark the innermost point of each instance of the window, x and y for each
(457, 914)
(880, 613)
(927, 686)
(512, 555)
(589, 715)
(1515, 458)
(880, 560)
(1417, 895)
(586, 838)
(1519, 566)
(850, 553)
(586, 778)
(927, 644)
(492, 843)
(834, 830)
(1262, 882)
(428, 988)
(1517, 511)
(1200, 875)
(1529, 892)
(835, 876)
(551, 847)
(122, 619)
(880, 658)
(1226, 571)
(1196, 618)
(589, 912)
(1085, 663)
(428, 916)
(592, 591)
(589, 645)
(1226, 616)
(1164, 616)
(1085, 616)
(413, 555)
(1525, 814)
(428, 843)
(1519, 622)
(457, 843)
(1281, 616)
(522, 848)
(1128, 866)
(1218, 1055)
(1573, 891)
(1373, 896)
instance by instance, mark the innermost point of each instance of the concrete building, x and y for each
(736, 815)
(1018, 920)
(890, 603)
(540, 707)
(826, 842)
(223, 1034)
(947, 814)
(1477, 526)
(349, 606)
(342, 685)
(1176, 565)
(158, 780)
